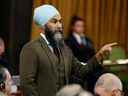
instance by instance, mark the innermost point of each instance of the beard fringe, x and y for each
(55, 38)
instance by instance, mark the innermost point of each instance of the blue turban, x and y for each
(44, 13)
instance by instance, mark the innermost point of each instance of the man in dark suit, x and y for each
(47, 64)
(82, 51)
(81, 46)
(3, 61)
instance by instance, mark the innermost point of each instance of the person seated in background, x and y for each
(86, 93)
(5, 82)
(108, 85)
(83, 49)
(3, 61)
(73, 90)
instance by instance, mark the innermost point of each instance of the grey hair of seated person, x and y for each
(85, 93)
(70, 90)
(2, 74)
(5, 81)
(2, 80)
(109, 82)
(73, 90)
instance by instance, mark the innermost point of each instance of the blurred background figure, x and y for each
(3, 61)
(70, 90)
(108, 85)
(5, 82)
(2, 47)
(83, 49)
(85, 93)
(81, 45)
(73, 90)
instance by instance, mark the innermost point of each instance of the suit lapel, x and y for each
(75, 42)
(51, 56)
(53, 59)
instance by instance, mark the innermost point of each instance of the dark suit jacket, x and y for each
(38, 68)
(82, 52)
(4, 63)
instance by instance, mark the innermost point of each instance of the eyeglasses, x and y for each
(118, 91)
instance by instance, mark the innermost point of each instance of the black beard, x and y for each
(55, 38)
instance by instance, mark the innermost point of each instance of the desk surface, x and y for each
(115, 62)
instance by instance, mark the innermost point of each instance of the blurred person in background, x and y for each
(73, 90)
(80, 44)
(86, 93)
(3, 61)
(108, 85)
(5, 82)
(70, 90)
(83, 49)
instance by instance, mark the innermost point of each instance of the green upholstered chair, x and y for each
(117, 53)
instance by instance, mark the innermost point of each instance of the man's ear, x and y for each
(2, 86)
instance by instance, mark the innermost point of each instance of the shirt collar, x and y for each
(44, 37)
(77, 36)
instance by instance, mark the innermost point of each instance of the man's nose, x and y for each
(59, 25)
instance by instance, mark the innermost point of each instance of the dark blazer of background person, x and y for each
(4, 63)
(38, 68)
(83, 53)
(3, 60)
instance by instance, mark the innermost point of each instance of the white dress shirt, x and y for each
(44, 37)
(77, 37)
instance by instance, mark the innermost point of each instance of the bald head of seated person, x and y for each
(46, 63)
(108, 85)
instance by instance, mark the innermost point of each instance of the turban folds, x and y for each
(44, 13)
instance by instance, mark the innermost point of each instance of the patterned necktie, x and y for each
(83, 41)
(56, 51)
